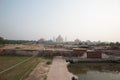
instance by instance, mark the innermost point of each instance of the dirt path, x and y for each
(58, 70)
(40, 72)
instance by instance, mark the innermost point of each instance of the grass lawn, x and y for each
(21, 71)
(8, 61)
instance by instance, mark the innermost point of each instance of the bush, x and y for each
(48, 62)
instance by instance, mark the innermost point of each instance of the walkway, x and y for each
(58, 70)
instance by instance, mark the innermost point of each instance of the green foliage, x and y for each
(49, 62)
(19, 72)
(15, 41)
(114, 44)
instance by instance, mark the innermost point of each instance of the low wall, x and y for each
(68, 53)
(59, 53)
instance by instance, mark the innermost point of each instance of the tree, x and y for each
(117, 44)
(1, 38)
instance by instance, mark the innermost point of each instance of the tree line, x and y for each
(6, 41)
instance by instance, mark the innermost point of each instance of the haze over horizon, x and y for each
(83, 19)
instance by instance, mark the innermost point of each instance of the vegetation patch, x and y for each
(19, 72)
(49, 62)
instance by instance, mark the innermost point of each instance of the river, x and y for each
(96, 71)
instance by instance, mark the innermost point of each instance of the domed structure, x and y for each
(59, 39)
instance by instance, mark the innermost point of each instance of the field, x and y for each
(17, 67)
(23, 47)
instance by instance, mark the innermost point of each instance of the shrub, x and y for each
(48, 62)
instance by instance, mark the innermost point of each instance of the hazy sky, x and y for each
(83, 19)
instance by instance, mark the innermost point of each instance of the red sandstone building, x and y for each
(94, 54)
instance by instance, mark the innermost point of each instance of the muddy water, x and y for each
(96, 71)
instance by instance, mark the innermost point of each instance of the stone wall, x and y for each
(43, 53)
(59, 53)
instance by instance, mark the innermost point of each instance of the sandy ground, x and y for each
(40, 72)
(58, 70)
(22, 46)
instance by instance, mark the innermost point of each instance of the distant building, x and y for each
(41, 40)
(59, 39)
(76, 41)
(49, 42)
